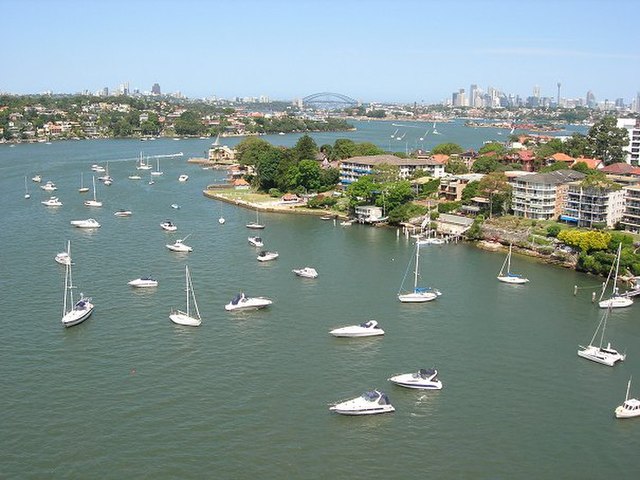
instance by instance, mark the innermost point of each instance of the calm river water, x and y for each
(127, 394)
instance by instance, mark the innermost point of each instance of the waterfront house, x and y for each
(241, 184)
(593, 206)
(369, 214)
(351, 169)
(222, 154)
(631, 216)
(448, 224)
(451, 187)
(541, 196)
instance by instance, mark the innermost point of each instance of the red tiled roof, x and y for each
(526, 155)
(240, 182)
(592, 163)
(562, 157)
(440, 158)
(620, 168)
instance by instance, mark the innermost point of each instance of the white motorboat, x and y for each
(306, 272)
(175, 206)
(169, 226)
(221, 220)
(424, 379)
(108, 182)
(597, 353)
(183, 178)
(95, 202)
(143, 282)
(508, 276)
(369, 403)
(49, 186)
(97, 168)
(88, 223)
(52, 202)
(616, 300)
(430, 241)
(242, 302)
(74, 313)
(179, 246)
(265, 256)
(418, 294)
(255, 241)
(366, 329)
(630, 408)
(123, 213)
(188, 318)
(37, 178)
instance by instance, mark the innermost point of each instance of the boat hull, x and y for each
(248, 304)
(417, 297)
(409, 381)
(513, 280)
(181, 318)
(616, 302)
(369, 411)
(622, 412)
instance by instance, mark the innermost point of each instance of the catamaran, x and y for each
(597, 353)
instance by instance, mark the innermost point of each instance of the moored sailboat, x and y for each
(507, 276)
(616, 300)
(189, 318)
(597, 353)
(74, 313)
(418, 294)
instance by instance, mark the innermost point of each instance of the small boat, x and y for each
(52, 202)
(630, 408)
(143, 282)
(27, 195)
(306, 272)
(175, 206)
(424, 379)
(327, 217)
(142, 164)
(508, 277)
(346, 223)
(183, 178)
(256, 225)
(366, 329)
(49, 187)
(430, 241)
(123, 213)
(106, 177)
(97, 168)
(179, 246)
(108, 182)
(369, 403)
(88, 223)
(78, 312)
(169, 226)
(134, 177)
(265, 256)
(242, 302)
(37, 178)
(616, 300)
(255, 241)
(221, 220)
(63, 258)
(82, 188)
(599, 354)
(94, 202)
(418, 294)
(188, 318)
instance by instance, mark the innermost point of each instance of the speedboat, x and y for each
(306, 272)
(49, 186)
(255, 241)
(630, 408)
(168, 225)
(37, 178)
(366, 329)
(183, 178)
(88, 223)
(178, 246)
(52, 202)
(143, 282)
(264, 256)
(81, 310)
(63, 258)
(123, 213)
(242, 302)
(425, 379)
(369, 403)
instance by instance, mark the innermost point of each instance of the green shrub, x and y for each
(553, 230)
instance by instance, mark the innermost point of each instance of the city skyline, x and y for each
(406, 51)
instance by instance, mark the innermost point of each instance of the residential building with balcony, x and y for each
(451, 187)
(632, 125)
(631, 217)
(541, 196)
(593, 206)
(351, 169)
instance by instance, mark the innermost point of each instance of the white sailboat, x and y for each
(435, 132)
(631, 406)
(616, 300)
(95, 202)
(157, 171)
(256, 225)
(78, 312)
(605, 355)
(27, 195)
(508, 276)
(188, 318)
(142, 164)
(419, 294)
(82, 188)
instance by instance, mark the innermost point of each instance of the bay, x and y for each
(129, 394)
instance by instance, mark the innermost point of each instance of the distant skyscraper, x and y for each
(558, 100)
(536, 91)
(459, 98)
(155, 90)
(591, 99)
(619, 102)
(475, 100)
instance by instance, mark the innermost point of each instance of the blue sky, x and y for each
(390, 50)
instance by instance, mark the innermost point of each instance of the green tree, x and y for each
(472, 189)
(496, 147)
(447, 149)
(366, 149)
(305, 148)
(250, 148)
(386, 173)
(586, 241)
(496, 187)
(189, 123)
(456, 167)
(395, 194)
(343, 148)
(361, 191)
(576, 146)
(606, 141)
(486, 165)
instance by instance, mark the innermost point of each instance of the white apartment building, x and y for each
(631, 217)
(351, 169)
(541, 196)
(590, 206)
(632, 126)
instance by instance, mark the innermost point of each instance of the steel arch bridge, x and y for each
(328, 101)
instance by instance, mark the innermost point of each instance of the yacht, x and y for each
(88, 223)
(242, 302)
(52, 202)
(123, 213)
(183, 178)
(255, 241)
(95, 202)
(63, 258)
(366, 329)
(369, 403)
(306, 272)
(37, 178)
(169, 226)
(143, 282)
(74, 313)
(630, 408)
(597, 353)
(97, 168)
(424, 379)
(49, 187)
(178, 246)
(265, 256)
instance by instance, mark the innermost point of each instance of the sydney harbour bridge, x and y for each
(328, 101)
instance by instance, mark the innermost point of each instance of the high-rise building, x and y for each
(536, 91)
(475, 96)
(459, 98)
(558, 100)
(632, 126)
(155, 89)
(591, 99)
(619, 102)
(638, 102)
